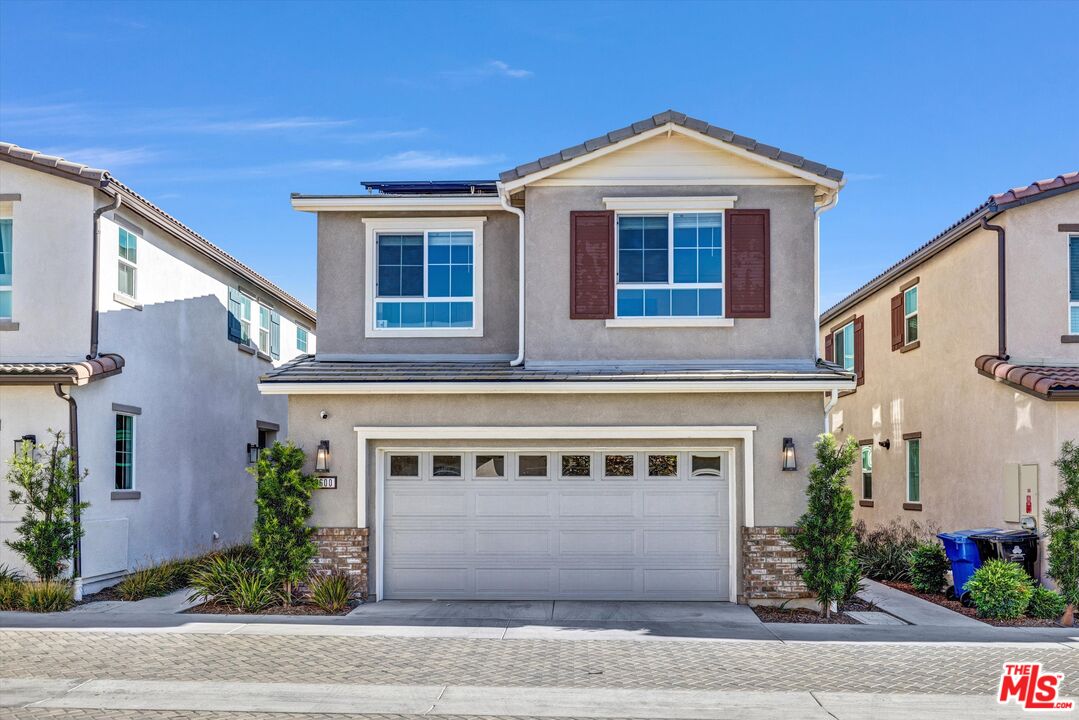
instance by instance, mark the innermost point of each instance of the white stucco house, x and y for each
(143, 342)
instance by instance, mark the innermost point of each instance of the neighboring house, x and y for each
(967, 356)
(150, 351)
(583, 380)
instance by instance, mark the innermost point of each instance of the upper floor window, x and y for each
(843, 342)
(1073, 285)
(264, 329)
(5, 267)
(424, 277)
(301, 339)
(670, 265)
(910, 314)
(245, 318)
(127, 263)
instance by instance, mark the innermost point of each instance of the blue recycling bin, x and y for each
(963, 554)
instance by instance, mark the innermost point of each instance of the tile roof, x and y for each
(1046, 381)
(77, 373)
(307, 369)
(110, 185)
(997, 203)
(672, 116)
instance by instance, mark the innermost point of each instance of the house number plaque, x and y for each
(327, 482)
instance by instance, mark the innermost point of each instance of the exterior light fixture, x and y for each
(885, 443)
(322, 456)
(252, 453)
(790, 462)
(20, 443)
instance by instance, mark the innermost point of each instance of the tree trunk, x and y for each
(1068, 620)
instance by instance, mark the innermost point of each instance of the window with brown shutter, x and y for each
(748, 260)
(829, 348)
(591, 280)
(859, 349)
(897, 322)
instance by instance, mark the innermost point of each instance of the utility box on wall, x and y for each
(1020, 492)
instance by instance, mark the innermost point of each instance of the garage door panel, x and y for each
(689, 582)
(665, 542)
(681, 503)
(522, 582)
(596, 542)
(596, 581)
(428, 581)
(596, 504)
(513, 542)
(420, 502)
(429, 542)
(513, 504)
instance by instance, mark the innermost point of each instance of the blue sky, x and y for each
(217, 111)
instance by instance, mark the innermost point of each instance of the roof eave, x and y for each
(100, 183)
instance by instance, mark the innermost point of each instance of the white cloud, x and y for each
(301, 122)
(492, 68)
(106, 157)
(425, 160)
(501, 68)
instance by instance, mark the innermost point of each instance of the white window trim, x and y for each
(906, 478)
(124, 261)
(861, 454)
(570, 478)
(306, 337)
(134, 451)
(530, 453)
(835, 355)
(374, 226)
(248, 322)
(603, 466)
(1072, 304)
(669, 207)
(269, 325)
(8, 215)
(907, 316)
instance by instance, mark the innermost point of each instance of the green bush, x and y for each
(214, 578)
(331, 593)
(853, 584)
(1000, 590)
(884, 552)
(9, 573)
(252, 591)
(47, 596)
(1046, 604)
(1062, 527)
(928, 567)
(10, 594)
(153, 581)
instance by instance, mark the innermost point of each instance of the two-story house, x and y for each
(968, 365)
(594, 378)
(142, 342)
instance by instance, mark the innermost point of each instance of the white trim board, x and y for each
(671, 204)
(529, 387)
(365, 434)
(402, 204)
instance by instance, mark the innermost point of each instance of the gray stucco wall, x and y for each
(552, 335)
(341, 294)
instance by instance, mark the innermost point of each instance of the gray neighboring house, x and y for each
(125, 328)
(595, 378)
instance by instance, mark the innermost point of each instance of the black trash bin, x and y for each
(1017, 546)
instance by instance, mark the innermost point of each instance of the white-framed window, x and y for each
(533, 466)
(914, 470)
(245, 318)
(867, 471)
(706, 465)
(447, 466)
(843, 346)
(669, 265)
(575, 466)
(489, 466)
(662, 465)
(6, 241)
(1073, 284)
(301, 339)
(910, 315)
(127, 263)
(124, 463)
(619, 466)
(425, 277)
(264, 329)
(404, 466)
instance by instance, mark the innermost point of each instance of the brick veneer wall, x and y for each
(342, 550)
(770, 568)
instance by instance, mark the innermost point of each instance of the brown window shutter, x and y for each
(829, 348)
(591, 272)
(897, 321)
(748, 264)
(859, 349)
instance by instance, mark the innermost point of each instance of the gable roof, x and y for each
(1045, 381)
(75, 373)
(994, 205)
(769, 152)
(104, 181)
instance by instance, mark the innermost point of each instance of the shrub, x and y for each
(928, 567)
(1062, 527)
(332, 593)
(853, 584)
(252, 591)
(1046, 604)
(215, 576)
(9, 573)
(281, 536)
(825, 532)
(153, 581)
(884, 552)
(1000, 590)
(49, 528)
(47, 596)
(10, 594)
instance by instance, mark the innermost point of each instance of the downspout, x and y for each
(93, 280)
(817, 212)
(504, 199)
(73, 440)
(1002, 309)
(828, 410)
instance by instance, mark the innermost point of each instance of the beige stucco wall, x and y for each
(341, 294)
(971, 425)
(552, 336)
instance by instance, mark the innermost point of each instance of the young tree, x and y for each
(1062, 526)
(825, 533)
(281, 536)
(48, 532)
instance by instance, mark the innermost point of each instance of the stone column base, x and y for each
(770, 573)
(342, 550)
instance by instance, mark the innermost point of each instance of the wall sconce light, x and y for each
(252, 453)
(19, 443)
(790, 462)
(885, 443)
(322, 456)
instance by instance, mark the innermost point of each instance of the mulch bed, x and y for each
(801, 616)
(956, 606)
(211, 608)
(105, 594)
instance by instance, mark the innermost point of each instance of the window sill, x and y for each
(865, 503)
(125, 495)
(912, 506)
(654, 322)
(263, 356)
(1069, 338)
(8, 326)
(911, 346)
(423, 332)
(246, 348)
(127, 301)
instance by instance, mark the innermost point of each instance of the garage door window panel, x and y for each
(404, 467)
(532, 467)
(490, 467)
(662, 466)
(576, 466)
(706, 466)
(447, 467)
(619, 466)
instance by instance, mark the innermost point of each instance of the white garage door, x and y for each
(583, 524)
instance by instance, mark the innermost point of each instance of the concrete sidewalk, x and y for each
(913, 609)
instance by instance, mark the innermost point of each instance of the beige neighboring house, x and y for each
(967, 357)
